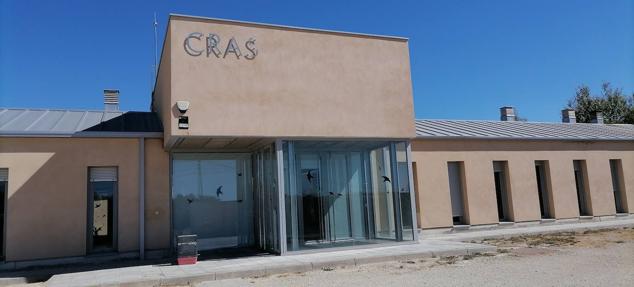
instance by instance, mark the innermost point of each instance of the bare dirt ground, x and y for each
(590, 258)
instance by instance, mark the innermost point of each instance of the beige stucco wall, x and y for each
(47, 194)
(431, 157)
(301, 84)
(157, 195)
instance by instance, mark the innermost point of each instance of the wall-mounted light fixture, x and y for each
(183, 121)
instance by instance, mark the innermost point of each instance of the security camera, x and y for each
(182, 106)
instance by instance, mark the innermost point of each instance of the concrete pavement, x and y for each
(434, 243)
(523, 230)
(149, 275)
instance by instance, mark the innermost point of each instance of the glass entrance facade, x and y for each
(327, 194)
(346, 193)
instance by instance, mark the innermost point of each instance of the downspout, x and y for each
(141, 198)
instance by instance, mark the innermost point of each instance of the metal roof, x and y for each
(58, 122)
(470, 129)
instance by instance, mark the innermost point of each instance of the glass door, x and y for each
(346, 193)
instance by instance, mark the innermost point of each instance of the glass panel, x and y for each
(102, 215)
(210, 200)
(311, 198)
(404, 191)
(357, 196)
(381, 174)
(338, 196)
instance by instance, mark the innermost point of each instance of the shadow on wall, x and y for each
(46, 214)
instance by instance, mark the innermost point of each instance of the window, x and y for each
(500, 176)
(456, 191)
(581, 183)
(102, 209)
(618, 186)
(543, 188)
(4, 184)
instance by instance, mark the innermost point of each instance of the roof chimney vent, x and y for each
(111, 100)
(507, 114)
(568, 116)
(597, 118)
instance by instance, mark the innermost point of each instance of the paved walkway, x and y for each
(434, 244)
(149, 275)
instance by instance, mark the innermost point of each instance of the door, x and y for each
(102, 209)
(211, 198)
(456, 192)
(326, 183)
(338, 197)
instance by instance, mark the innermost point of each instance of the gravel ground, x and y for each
(591, 258)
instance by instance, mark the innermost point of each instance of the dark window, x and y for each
(502, 190)
(618, 185)
(4, 184)
(543, 188)
(456, 191)
(581, 183)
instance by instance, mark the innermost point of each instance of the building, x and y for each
(286, 139)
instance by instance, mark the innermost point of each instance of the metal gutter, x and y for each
(82, 135)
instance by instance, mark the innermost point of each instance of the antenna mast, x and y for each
(155, 46)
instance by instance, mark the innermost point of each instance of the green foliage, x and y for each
(616, 107)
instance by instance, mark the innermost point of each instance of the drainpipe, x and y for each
(141, 198)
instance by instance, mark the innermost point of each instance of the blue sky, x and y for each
(468, 57)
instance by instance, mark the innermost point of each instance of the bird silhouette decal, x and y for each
(386, 179)
(309, 176)
(219, 191)
(190, 201)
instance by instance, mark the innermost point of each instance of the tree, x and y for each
(615, 106)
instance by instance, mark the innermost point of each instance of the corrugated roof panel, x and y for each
(47, 122)
(21, 120)
(37, 122)
(68, 122)
(90, 119)
(9, 115)
(110, 115)
(522, 130)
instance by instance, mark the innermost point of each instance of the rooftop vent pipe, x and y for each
(597, 118)
(568, 116)
(111, 100)
(507, 114)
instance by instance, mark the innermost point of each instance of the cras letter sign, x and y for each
(196, 44)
